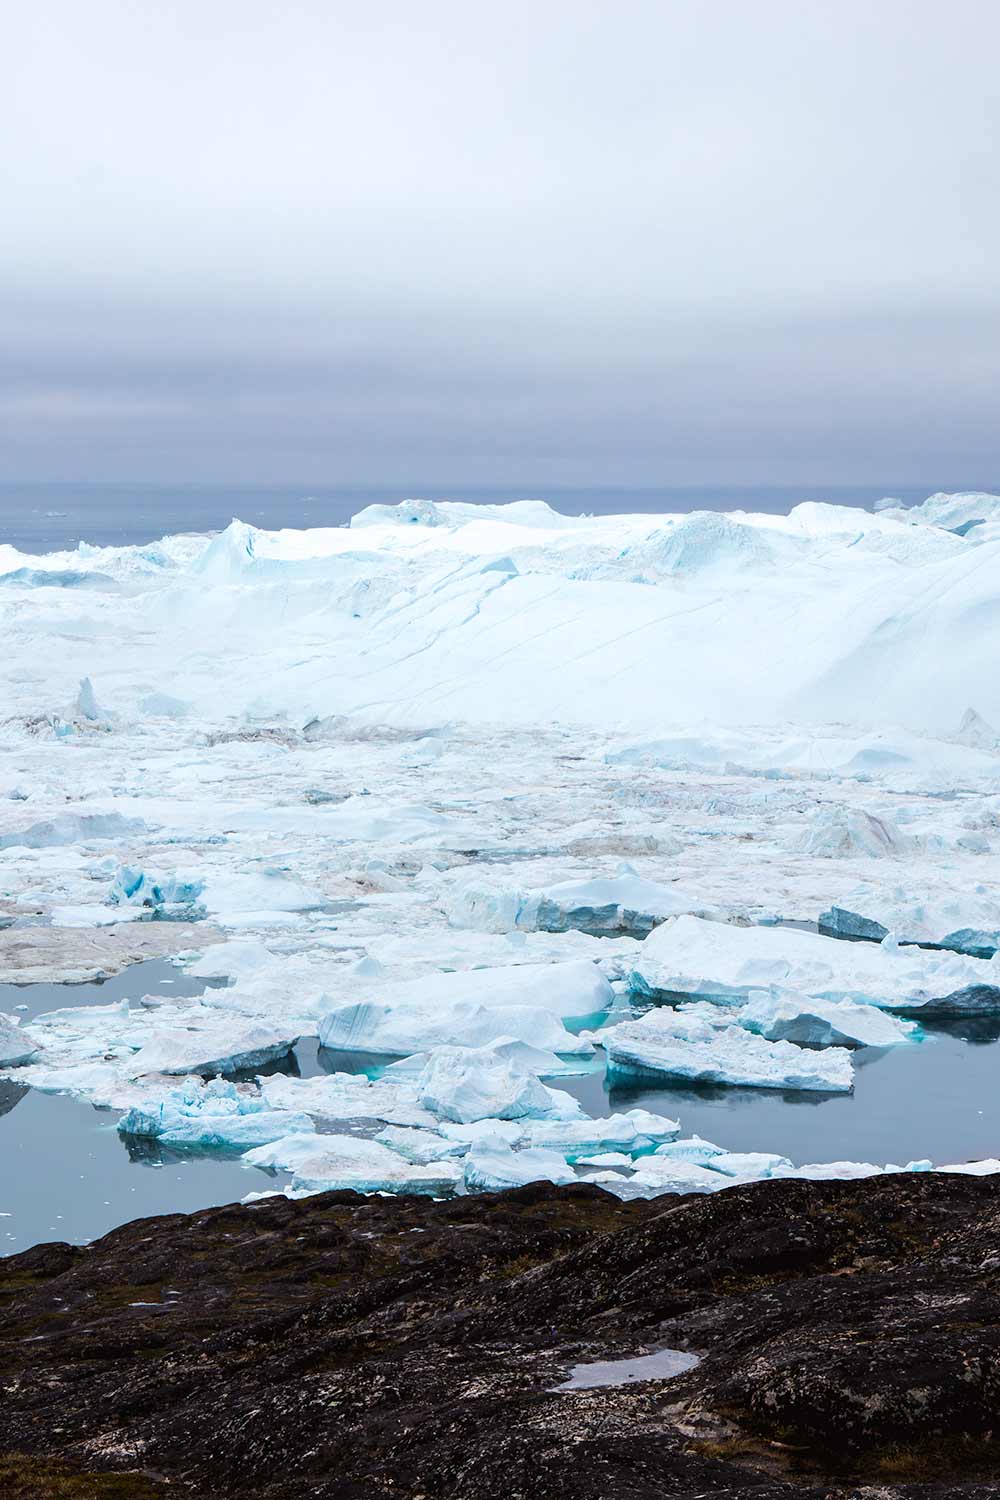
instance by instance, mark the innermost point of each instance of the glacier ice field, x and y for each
(471, 845)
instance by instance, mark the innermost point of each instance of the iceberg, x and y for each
(664, 1174)
(324, 1163)
(567, 991)
(839, 832)
(722, 963)
(747, 1165)
(637, 1130)
(226, 1047)
(625, 904)
(400, 1031)
(469, 1084)
(138, 888)
(784, 1016)
(493, 1167)
(669, 1044)
(215, 1114)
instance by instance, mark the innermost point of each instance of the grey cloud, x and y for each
(583, 242)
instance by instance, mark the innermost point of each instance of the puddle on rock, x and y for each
(665, 1364)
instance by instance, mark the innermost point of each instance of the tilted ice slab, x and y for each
(725, 963)
(215, 1114)
(321, 1163)
(16, 1046)
(671, 1044)
(785, 1016)
(610, 906)
(223, 1048)
(400, 1031)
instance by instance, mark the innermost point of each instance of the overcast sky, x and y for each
(560, 242)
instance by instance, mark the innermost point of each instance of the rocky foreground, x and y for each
(351, 1347)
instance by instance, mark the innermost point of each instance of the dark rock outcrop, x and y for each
(343, 1347)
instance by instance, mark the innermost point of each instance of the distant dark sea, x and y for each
(51, 517)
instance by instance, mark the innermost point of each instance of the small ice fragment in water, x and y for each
(665, 1364)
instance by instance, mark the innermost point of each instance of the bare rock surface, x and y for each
(346, 1347)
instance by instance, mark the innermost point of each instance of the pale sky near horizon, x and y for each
(567, 242)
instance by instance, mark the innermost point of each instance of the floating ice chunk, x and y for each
(237, 959)
(466, 1084)
(665, 1175)
(400, 1031)
(665, 1044)
(321, 1163)
(746, 1164)
(840, 832)
(784, 1016)
(227, 897)
(485, 1133)
(723, 963)
(214, 1114)
(347, 1096)
(637, 1130)
(626, 903)
(494, 1167)
(420, 1146)
(73, 828)
(567, 990)
(140, 888)
(603, 1159)
(692, 1149)
(226, 1047)
(16, 1045)
(822, 1171)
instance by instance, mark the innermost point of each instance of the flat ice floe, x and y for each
(383, 779)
